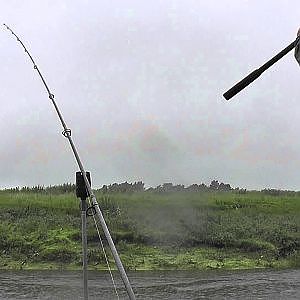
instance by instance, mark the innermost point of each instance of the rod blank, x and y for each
(67, 134)
(256, 73)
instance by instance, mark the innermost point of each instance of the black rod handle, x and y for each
(242, 84)
(256, 73)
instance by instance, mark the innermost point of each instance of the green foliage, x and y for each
(295, 260)
(37, 227)
(58, 253)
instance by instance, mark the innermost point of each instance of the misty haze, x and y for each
(191, 196)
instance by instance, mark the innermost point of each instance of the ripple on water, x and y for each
(263, 284)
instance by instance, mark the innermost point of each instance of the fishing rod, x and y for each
(67, 133)
(256, 73)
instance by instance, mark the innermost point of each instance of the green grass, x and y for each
(154, 231)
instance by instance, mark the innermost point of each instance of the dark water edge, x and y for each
(258, 284)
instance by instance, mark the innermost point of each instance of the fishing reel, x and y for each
(82, 193)
(81, 189)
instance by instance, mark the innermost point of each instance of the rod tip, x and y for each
(227, 96)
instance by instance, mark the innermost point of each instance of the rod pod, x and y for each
(82, 193)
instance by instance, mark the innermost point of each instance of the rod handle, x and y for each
(242, 84)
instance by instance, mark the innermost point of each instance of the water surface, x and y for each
(263, 284)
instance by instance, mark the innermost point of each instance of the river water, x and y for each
(263, 284)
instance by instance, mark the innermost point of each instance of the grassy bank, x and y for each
(153, 230)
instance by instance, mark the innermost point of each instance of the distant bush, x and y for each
(59, 253)
(95, 255)
(124, 187)
(295, 259)
(275, 192)
(253, 245)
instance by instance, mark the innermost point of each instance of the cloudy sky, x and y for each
(140, 84)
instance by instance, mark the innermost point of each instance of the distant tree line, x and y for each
(126, 187)
(139, 186)
(52, 189)
(275, 192)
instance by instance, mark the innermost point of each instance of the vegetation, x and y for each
(169, 227)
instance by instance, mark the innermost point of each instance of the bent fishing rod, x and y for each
(256, 73)
(67, 133)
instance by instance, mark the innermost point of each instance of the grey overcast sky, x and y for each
(140, 84)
